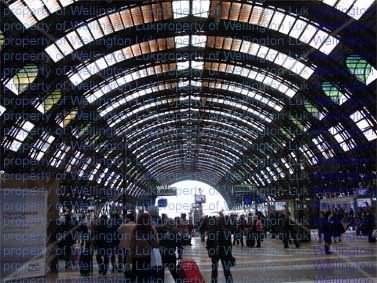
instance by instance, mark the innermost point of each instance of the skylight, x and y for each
(334, 93)
(199, 40)
(355, 9)
(22, 79)
(291, 24)
(97, 28)
(262, 51)
(309, 154)
(323, 146)
(182, 41)
(17, 134)
(181, 8)
(342, 137)
(36, 10)
(366, 123)
(313, 110)
(2, 110)
(268, 79)
(360, 68)
(41, 146)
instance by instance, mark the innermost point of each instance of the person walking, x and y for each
(167, 235)
(125, 232)
(258, 229)
(144, 239)
(103, 242)
(369, 226)
(289, 231)
(115, 222)
(327, 231)
(219, 247)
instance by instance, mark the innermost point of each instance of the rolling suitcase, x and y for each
(188, 272)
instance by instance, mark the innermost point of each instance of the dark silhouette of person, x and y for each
(219, 246)
(289, 231)
(327, 231)
(103, 243)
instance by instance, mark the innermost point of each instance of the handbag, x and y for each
(156, 259)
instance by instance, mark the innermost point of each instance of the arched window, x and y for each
(51, 100)
(334, 93)
(363, 71)
(314, 111)
(24, 77)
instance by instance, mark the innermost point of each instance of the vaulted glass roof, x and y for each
(131, 95)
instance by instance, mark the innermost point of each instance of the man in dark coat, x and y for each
(327, 231)
(103, 242)
(167, 234)
(289, 231)
(369, 226)
(219, 246)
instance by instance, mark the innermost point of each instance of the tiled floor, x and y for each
(353, 260)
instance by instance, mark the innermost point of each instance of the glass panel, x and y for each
(20, 82)
(181, 8)
(54, 53)
(200, 8)
(363, 71)
(334, 93)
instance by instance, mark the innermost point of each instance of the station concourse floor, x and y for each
(353, 260)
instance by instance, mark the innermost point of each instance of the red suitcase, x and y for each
(189, 272)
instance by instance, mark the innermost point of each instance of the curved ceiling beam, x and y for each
(197, 153)
(171, 126)
(220, 143)
(271, 20)
(207, 166)
(193, 96)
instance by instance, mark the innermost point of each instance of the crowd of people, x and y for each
(254, 228)
(125, 244)
(334, 223)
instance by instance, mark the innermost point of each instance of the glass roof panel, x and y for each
(287, 24)
(199, 40)
(360, 68)
(182, 41)
(23, 14)
(181, 8)
(200, 8)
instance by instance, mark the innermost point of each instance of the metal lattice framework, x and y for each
(130, 95)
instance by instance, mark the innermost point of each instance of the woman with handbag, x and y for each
(144, 250)
(219, 246)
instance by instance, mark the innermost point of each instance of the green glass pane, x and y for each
(298, 124)
(51, 100)
(313, 110)
(1, 40)
(359, 67)
(287, 133)
(68, 119)
(334, 93)
(25, 77)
